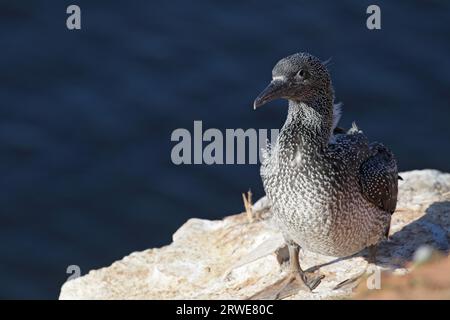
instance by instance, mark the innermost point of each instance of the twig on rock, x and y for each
(248, 205)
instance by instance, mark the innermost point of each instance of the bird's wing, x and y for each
(351, 147)
(379, 178)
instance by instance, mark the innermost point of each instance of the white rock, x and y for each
(234, 259)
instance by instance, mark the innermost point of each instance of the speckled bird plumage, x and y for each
(330, 193)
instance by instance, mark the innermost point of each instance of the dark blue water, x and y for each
(86, 116)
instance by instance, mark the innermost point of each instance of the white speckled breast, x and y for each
(325, 220)
(316, 197)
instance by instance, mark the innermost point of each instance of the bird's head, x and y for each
(298, 77)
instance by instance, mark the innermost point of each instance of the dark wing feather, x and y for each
(379, 178)
(338, 130)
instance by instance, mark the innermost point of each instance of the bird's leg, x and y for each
(295, 280)
(311, 280)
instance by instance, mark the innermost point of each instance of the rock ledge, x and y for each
(217, 259)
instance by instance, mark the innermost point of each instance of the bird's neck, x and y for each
(308, 125)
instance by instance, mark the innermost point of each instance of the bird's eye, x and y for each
(302, 74)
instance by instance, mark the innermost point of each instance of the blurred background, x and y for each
(86, 116)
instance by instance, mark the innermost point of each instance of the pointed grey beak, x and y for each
(273, 91)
